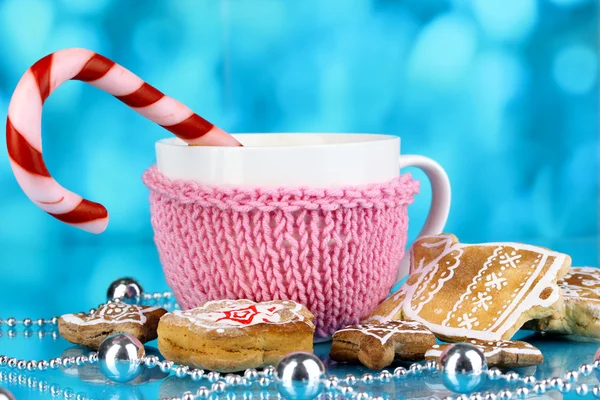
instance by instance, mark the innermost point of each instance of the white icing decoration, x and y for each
(118, 313)
(384, 332)
(512, 308)
(581, 282)
(390, 316)
(242, 313)
(440, 283)
(492, 348)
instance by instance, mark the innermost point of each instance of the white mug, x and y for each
(321, 160)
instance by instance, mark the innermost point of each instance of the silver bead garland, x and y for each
(521, 386)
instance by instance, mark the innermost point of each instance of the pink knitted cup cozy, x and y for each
(334, 250)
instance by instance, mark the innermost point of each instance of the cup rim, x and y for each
(363, 138)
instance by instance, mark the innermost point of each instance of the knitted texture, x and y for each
(336, 251)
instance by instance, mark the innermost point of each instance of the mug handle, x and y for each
(440, 201)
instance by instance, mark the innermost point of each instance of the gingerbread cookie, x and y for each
(502, 353)
(377, 345)
(390, 309)
(482, 291)
(233, 335)
(90, 330)
(580, 314)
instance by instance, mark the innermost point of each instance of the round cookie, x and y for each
(234, 335)
(377, 345)
(580, 313)
(91, 329)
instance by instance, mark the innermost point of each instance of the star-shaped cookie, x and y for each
(91, 329)
(377, 345)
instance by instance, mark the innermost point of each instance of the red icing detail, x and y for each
(192, 128)
(41, 72)
(21, 152)
(244, 316)
(271, 309)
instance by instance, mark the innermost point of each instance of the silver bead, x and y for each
(363, 396)
(196, 374)
(555, 383)
(269, 371)
(11, 322)
(571, 376)
(463, 367)
(6, 395)
(384, 376)
(21, 365)
(264, 382)
(298, 375)
(125, 288)
(93, 358)
(596, 391)
(476, 396)
(67, 362)
(539, 388)
(494, 374)
(203, 392)
(92, 311)
(12, 363)
(218, 387)
(331, 382)
(42, 365)
(188, 396)
(181, 371)
(27, 322)
(151, 361)
(54, 321)
(415, 369)
(55, 363)
(165, 366)
(582, 390)
(400, 373)
(511, 377)
(431, 365)
(522, 392)
(40, 322)
(3, 361)
(251, 374)
(31, 366)
(236, 381)
(119, 357)
(529, 380)
(68, 393)
(213, 376)
(367, 379)
(350, 380)
(505, 395)
(586, 369)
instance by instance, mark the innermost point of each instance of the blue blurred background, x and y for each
(502, 93)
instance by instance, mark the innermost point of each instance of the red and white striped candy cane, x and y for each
(23, 127)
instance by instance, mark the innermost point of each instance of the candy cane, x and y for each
(23, 127)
